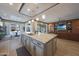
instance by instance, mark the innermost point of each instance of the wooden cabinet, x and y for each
(27, 43)
(32, 46)
(23, 40)
(37, 48)
(51, 45)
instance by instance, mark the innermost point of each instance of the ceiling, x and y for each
(35, 8)
(53, 12)
(64, 11)
(10, 12)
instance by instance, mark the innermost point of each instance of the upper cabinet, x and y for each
(41, 27)
(29, 27)
(36, 27)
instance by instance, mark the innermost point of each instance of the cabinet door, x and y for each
(23, 40)
(32, 47)
(27, 43)
(49, 49)
(39, 51)
(36, 50)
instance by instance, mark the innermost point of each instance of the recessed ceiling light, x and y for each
(10, 3)
(28, 10)
(37, 19)
(32, 20)
(17, 25)
(43, 16)
(29, 22)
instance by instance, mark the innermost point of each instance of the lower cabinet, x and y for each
(37, 48)
(38, 51)
(27, 44)
(23, 39)
(49, 48)
(32, 49)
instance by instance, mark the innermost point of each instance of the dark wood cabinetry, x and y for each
(67, 24)
(72, 31)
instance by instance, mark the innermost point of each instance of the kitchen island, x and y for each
(39, 44)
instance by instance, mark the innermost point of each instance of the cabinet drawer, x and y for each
(38, 43)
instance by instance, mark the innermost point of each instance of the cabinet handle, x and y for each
(38, 43)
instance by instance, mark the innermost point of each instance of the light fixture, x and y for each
(17, 25)
(29, 22)
(43, 16)
(32, 20)
(37, 19)
(10, 3)
(28, 10)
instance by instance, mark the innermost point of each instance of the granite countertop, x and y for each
(44, 38)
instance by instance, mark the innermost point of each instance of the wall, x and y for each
(70, 35)
(8, 26)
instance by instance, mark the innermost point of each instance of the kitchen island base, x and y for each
(39, 45)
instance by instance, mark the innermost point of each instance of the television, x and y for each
(61, 27)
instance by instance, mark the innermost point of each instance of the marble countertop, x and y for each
(44, 38)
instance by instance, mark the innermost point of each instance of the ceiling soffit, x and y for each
(35, 9)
